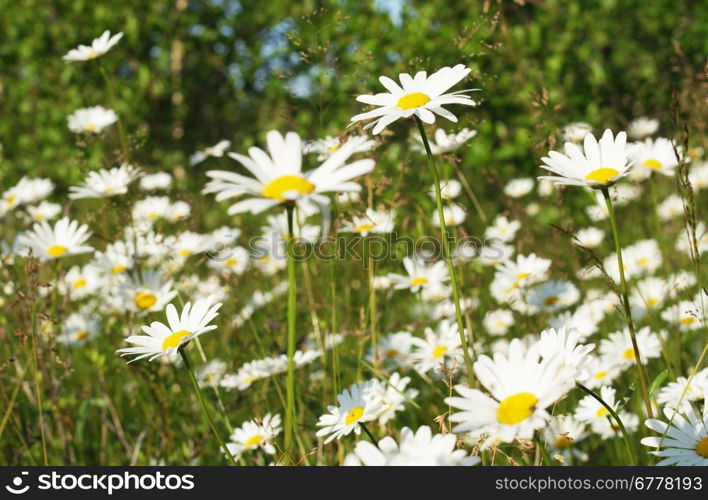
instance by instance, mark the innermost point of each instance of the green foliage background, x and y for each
(191, 72)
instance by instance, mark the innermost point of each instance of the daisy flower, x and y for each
(230, 260)
(91, 120)
(564, 345)
(601, 371)
(98, 47)
(525, 270)
(78, 329)
(575, 132)
(373, 221)
(442, 142)
(598, 165)
(165, 339)
(147, 292)
(393, 395)
(682, 390)
(590, 237)
(27, 190)
(551, 296)
(278, 177)
(153, 182)
(209, 375)
(653, 156)
(80, 282)
(684, 245)
(578, 320)
(419, 448)
(594, 413)
(502, 229)
(521, 385)
(215, 151)
(453, 214)
(670, 208)
(105, 183)
(683, 441)
(358, 404)
(698, 176)
(64, 239)
(419, 275)
(256, 434)
(44, 211)
(685, 314)
(395, 349)
(151, 209)
(329, 145)
(561, 435)
(277, 227)
(642, 127)
(618, 346)
(650, 294)
(516, 188)
(498, 322)
(421, 95)
(449, 190)
(441, 349)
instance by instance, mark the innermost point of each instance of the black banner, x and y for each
(355, 482)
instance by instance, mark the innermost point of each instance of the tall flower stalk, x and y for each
(446, 250)
(203, 406)
(643, 381)
(290, 384)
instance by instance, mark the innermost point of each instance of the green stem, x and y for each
(446, 251)
(37, 376)
(368, 433)
(290, 385)
(372, 304)
(643, 381)
(625, 436)
(112, 96)
(202, 403)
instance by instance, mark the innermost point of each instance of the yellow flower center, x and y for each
(413, 100)
(643, 261)
(600, 375)
(255, 440)
(79, 283)
(275, 190)
(439, 351)
(118, 269)
(652, 301)
(516, 408)
(185, 252)
(601, 412)
(628, 354)
(702, 447)
(391, 353)
(333, 149)
(230, 262)
(602, 175)
(419, 281)
(653, 164)
(145, 300)
(523, 276)
(91, 127)
(82, 335)
(57, 250)
(563, 442)
(108, 190)
(688, 320)
(10, 199)
(551, 301)
(38, 217)
(364, 228)
(174, 340)
(92, 54)
(354, 415)
(153, 215)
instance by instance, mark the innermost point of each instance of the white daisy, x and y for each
(153, 182)
(373, 221)
(670, 208)
(98, 47)
(147, 291)
(209, 375)
(516, 188)
(91, 120)
(358, 404)
(602, 371)
(329, 145)
(230, 260)
(255, 434)
(575, 132)
(561, 435)
(683, 441)
(498, 321)
(594, 413)
(419, 448)
(395, 349)
(502, 229)
(420, 95)
(440, 350)
(453, 214)
(449, 190)
(278, 177)
(78, 329)
(105, 183)
(686, 315)
(393, 395)
(590, 237)
(442, 142)
(162, 340)
(642, 127)
(44, 211)
(598, 165)
(64, 239)
(618, 346)
(682, 390)
(683, 244)
(551, 296)
(215, 151)
(522, 386)
(420, 275)
(653, 156)
(80, 282)
(564, 345)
